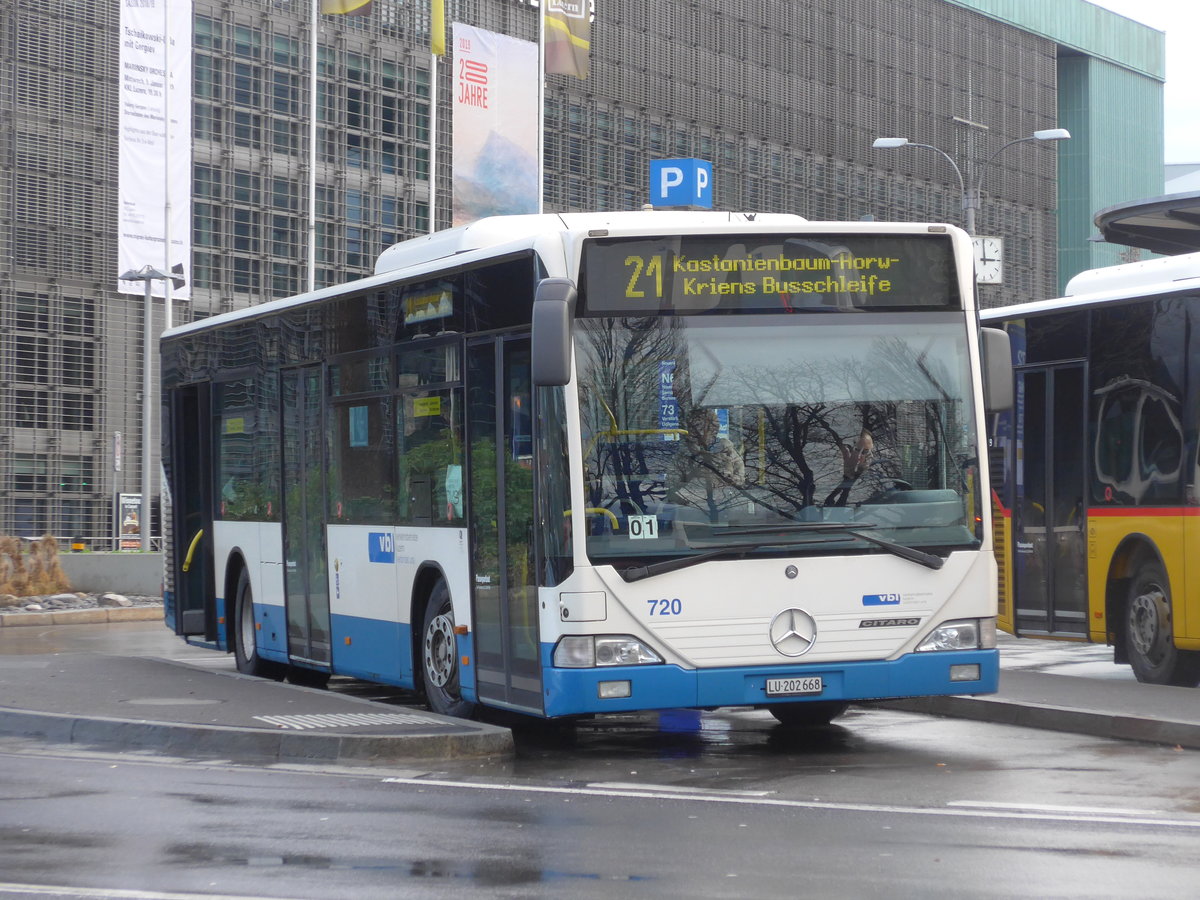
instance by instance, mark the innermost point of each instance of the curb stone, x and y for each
(99, 616)
(224, 742)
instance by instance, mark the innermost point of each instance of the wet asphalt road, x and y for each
(723, 804)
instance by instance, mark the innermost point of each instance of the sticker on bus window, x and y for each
(427, 406)
(643, 528)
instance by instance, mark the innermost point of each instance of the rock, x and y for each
(9, 600)
(33, 607)
(115, 600)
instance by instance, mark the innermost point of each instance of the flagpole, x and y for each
(541, 101)
(433, 139)
(167, 283)
(312, 150)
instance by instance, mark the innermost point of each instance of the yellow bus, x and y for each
(1096, 480)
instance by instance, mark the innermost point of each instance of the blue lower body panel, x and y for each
(576, 691)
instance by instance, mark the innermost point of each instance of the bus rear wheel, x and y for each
(440, 668)
(1149, 631)
(245, 635)
(807, 715)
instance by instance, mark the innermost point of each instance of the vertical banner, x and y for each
(155, 142)
(568, 37)
(495, 125)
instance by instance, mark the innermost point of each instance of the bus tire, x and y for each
(305, 677)
(1149, 632)
(807, 715)
(440, 669)
(245, 636)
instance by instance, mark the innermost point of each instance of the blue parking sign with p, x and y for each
(681, 182)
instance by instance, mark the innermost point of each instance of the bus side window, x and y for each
(430, 433)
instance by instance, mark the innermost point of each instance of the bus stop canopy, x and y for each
(1169, 225)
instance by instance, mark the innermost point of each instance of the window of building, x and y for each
(78, 412)
(247, 42)
(29, 472)
(77, 474)
(31, 359)
(78, 363)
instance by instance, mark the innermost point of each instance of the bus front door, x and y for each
(306, 585)
(1049, 554)
(189, 609)
(505, 601)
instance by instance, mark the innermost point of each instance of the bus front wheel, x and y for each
(245, 635)
(809, 714)
(1149, 632)
(439, 657)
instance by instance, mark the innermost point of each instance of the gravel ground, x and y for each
(69, 601)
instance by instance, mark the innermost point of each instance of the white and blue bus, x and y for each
(587, 463)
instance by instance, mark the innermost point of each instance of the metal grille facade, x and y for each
(783, 96)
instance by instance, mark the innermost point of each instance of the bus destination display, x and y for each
(767, 274)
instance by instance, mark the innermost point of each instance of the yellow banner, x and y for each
(346, 7)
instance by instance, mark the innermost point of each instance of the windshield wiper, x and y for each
(637, 573)
(912, 554)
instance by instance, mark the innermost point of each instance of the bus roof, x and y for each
(495, 231)
(1113, 283)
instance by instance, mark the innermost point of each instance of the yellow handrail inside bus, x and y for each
(634, 432)
(599, 510)
(187, 563)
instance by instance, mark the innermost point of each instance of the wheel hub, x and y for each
(439, 650)
(1149, 623)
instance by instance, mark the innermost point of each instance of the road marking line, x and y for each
(1047, 807)
(655, 794)
(344, 720)
(675, 789)
(53, 890)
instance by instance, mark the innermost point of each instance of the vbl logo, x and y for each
(381, 547)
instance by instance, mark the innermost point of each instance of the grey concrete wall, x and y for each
(121, 573)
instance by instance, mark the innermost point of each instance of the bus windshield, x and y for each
(705, 433)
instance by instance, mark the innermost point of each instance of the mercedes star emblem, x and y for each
(793, 632)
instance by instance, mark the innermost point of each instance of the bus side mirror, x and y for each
(997, 370)
(553, 310)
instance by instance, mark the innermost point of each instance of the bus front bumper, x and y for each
(601, 690)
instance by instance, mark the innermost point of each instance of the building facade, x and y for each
(784, 97)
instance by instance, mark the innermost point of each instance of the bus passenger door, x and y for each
(305, 579)
(190, 607)
(1049, 555)
(504, 577)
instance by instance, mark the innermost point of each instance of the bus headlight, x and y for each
(961, 634)
(587, 651)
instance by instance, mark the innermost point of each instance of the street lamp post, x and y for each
(147, 274)
(971, 189)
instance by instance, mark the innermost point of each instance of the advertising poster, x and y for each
(129, 524)
(495, 125)
(155, 162)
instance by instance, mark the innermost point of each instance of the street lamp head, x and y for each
(1052, 134)
(889, 143)
(145, 273)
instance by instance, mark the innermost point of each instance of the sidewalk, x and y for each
(140, 702)
(1076, 688)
